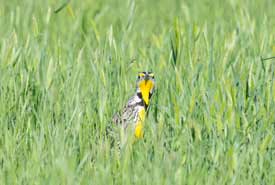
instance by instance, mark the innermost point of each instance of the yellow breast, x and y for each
(140, 124)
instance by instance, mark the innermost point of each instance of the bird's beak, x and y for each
(146, 78)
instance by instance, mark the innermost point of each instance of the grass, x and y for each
(63, 75)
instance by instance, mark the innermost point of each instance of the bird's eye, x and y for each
(152, 75)
(140, 75)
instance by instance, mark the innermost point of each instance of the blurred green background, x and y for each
(63, 75)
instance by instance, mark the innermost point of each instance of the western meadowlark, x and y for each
(134, 111)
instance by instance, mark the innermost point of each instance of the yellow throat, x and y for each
(145, 87)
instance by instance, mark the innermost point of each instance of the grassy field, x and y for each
(63, 75)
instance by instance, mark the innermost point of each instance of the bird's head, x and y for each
(145, 85)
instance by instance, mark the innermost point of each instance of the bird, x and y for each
(134, 112)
